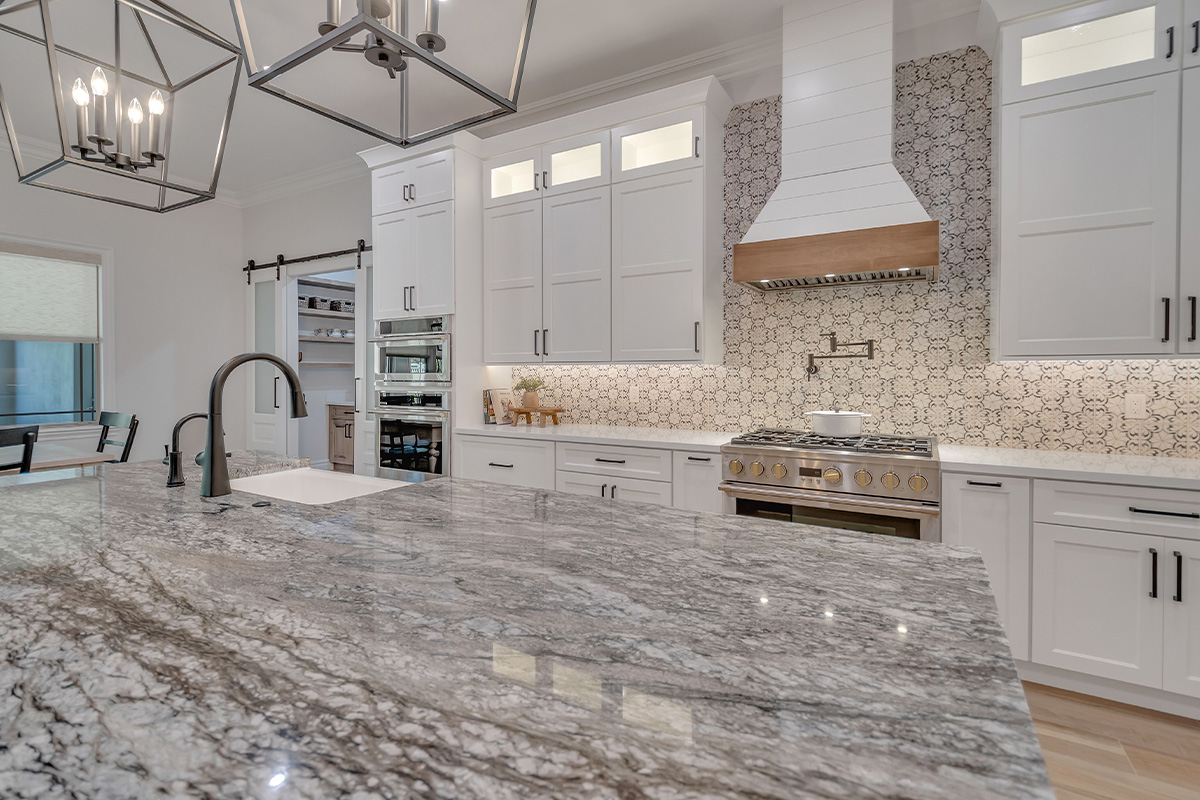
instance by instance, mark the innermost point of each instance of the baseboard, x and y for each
(1119, 692)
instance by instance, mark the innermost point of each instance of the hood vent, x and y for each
(841, 214)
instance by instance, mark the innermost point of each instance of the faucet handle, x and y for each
(166, 454)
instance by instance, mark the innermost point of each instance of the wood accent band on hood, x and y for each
(891, 247)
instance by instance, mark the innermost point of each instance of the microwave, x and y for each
(412, 351)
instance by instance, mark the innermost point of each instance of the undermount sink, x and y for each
(313, 487)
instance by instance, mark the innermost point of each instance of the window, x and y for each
(49, 336)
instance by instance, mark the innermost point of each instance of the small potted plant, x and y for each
(529, 388)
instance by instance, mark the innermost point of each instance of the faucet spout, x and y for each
(215, 482)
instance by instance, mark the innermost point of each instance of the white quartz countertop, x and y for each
(1155, 471)
(663, 438)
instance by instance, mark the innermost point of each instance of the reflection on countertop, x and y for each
(470, 640)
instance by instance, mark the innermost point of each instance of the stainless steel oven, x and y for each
(412, 432)
(909, 519)
(412, 351)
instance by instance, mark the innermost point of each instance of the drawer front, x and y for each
(619, 489)
(1161, 512)
(506, 461)
(633, 462)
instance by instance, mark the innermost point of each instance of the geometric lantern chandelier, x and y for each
(405, 75)
(126, 101)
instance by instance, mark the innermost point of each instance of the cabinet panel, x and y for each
(389, 189)
(1189, 211)
(431, 178)
(1191, 34)
(575, 164)
(512, 278)
(664, 143)
(393, 272)
(620, 489)
(696, 477)
(993, 515)
(1181, 646)
(1092, 605)
(1136, 509)
(512, 178)
(1088, 222)
(599, 459)
(507, 461)
(432, 290)
(658, 267)
(577, 277)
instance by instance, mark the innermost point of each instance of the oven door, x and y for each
(412, 446)
(414, 360)
(902, 518)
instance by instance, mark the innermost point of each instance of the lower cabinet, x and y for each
(510, 461)
(697, 476)
(1181, 630)
(631, 489)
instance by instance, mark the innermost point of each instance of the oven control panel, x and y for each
(904, 478)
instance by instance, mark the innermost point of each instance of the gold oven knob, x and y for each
(779, 471)
(918, 483)
(890, 480)
(757, 468)
(863, 478)
(736, 467)
(833, 476)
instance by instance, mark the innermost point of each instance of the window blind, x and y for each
(48, 299)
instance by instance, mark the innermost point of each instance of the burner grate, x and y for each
(871, 443)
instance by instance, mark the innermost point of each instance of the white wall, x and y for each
(178, 315)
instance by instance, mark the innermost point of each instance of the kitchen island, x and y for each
(469, 640)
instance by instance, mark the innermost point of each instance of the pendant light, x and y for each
(379, 33)
(126, 68)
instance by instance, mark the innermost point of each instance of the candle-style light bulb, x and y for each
(82, 98)
(99, 83)
(80, 94)
(135, 112)
(156, 106)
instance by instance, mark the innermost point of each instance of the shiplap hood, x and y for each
(842, 213)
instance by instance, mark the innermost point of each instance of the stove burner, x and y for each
(921, 446)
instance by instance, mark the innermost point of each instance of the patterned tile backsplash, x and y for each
(932, 374)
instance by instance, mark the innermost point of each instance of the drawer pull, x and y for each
(1151, 511)
(1178, 598)
(988, 484)
(1153, 572)
(502, 466)
(613, 494)
(603, 489)
(697, 458)
(610, 460)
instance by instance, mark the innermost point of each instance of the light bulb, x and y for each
(156, 104)
(99, 83)
(135, 111)
(79, 93)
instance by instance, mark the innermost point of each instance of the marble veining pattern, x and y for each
(934, 374)
(457, 639)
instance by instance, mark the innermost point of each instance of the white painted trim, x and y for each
(932, 14)
(1116, 691)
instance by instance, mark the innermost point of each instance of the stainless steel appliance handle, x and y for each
(406, 338)
(825, 499)
(415, 416)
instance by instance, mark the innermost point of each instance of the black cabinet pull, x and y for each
(545, 341)
(412, 298)
(696, 336)
(502, 466)
(537, 186)
(1153, 512)
(1196, 36)
(349, 430)
(536, 351)
(545, 180)
(603, 489)
(1166, 319)
(412, 191)
(697, 147)
(1153, 572)
(406, 197)
(988, 484)
(1178, 598)
(1170, 42)
(1192, 302)
(613, 494)
(276, 391)
(611, 460)
(697, 458)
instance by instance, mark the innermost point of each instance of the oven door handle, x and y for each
(406, 338)
(824, 499)
(412, 416)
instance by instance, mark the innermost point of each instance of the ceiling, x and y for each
(575, 44)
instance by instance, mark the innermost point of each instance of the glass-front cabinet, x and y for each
(574, 164)
(512, 178)
(664, 143)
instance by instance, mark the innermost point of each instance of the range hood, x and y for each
(841, 213)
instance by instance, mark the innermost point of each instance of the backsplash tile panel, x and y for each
(932, 374)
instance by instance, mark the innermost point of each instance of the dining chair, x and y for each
(110, 419)
(23, 436)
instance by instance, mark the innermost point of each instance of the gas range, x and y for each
(875, 466)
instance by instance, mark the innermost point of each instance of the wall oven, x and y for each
(412, 432)
(412, 351)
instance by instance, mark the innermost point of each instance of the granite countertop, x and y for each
(1155, 471)
(623, 435)
(470, 640)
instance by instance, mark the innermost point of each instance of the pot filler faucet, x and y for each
(215, 482)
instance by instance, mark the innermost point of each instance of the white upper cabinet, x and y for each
(512, 283)
(664, 143)
(1189, 214)
(410, 184)
(1105, 42)
(577, 277)
(393, 273)
(657, 268)
(512, 178)
(1089, 213)
(1191, 33)
(578, 163)
(413, 262)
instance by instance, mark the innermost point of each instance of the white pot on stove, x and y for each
(837, 423)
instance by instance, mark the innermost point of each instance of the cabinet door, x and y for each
(393, 273)
(1191, 34)
(431, 178)
(582, 484)
(658, 267)
(432, 290)
(1093, 609)
(389, 189)
(341, 441)
(513, 178)
(577, 277)
(576, 164)
(664, 143)
(993, 515)
(696, 477)
(1181, 644)
(512, 283)
(620, 489)
(1092, 45)
(1189, 214)
(1089, 204)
